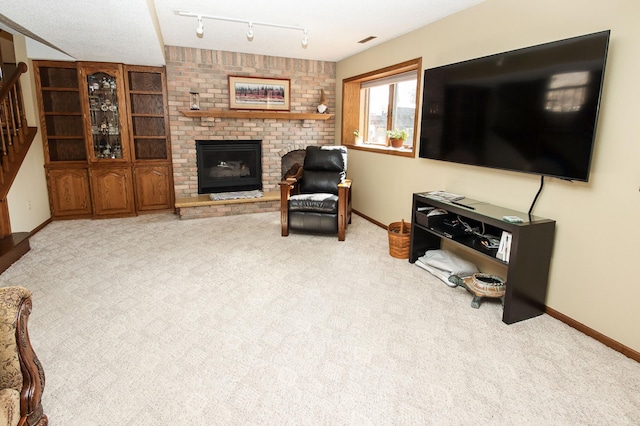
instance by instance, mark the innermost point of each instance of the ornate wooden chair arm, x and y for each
(33, 379)
(21, 370)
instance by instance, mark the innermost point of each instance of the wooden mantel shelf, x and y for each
(256, 114)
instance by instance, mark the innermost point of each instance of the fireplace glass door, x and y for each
(225, 166)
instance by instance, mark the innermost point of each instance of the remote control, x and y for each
(512, 219)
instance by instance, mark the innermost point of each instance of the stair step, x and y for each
(12, 248)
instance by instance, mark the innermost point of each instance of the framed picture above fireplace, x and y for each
(257, 93)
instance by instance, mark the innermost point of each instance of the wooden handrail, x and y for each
(6, 84)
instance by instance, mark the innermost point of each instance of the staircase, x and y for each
(15, 139)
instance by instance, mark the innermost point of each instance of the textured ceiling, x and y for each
(135, 31)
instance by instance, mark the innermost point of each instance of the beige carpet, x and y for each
(156, 321)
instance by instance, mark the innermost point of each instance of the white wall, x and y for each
(593, 279)
(28, 199)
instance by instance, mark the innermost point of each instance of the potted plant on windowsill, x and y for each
(358, 139)
(397, 137)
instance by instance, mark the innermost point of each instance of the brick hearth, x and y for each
(201, 206)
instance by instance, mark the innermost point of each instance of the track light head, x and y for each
(305, 38)
(250, 32)
(200, 27)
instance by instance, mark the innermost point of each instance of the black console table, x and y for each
(531, 246)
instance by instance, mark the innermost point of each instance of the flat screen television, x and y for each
(531, 110)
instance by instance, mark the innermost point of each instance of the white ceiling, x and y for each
(135, 31)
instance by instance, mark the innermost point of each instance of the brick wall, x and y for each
(207, 72)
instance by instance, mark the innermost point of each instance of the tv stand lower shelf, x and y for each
(530, 251)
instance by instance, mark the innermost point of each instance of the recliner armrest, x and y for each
(344, 207)
(345, 184)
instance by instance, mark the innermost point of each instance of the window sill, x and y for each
(402, 152)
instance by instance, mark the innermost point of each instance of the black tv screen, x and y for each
(530, 110)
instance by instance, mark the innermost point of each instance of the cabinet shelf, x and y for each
(470, 241)
(60, 89)
(265, 115)
(55, 113)
(79, 137)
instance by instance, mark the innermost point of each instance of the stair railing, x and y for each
(13, 121)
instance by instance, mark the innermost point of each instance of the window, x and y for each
(567, 92)
(379, 101)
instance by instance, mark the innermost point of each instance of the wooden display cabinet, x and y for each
(62, 125)
(149, 135)
(106, 138)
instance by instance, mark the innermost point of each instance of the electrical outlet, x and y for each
(29, 204)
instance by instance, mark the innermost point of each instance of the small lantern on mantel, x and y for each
(194, 100)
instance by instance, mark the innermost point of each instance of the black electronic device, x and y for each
(530, 110)
(449, 226)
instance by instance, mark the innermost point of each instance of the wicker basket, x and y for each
(399, 239)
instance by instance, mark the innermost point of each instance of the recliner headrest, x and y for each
(330, 160)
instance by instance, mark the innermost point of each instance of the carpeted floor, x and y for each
(156, 321)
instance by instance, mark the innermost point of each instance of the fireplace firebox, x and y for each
(226, 165)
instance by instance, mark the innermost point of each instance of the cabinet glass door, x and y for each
(104, 115)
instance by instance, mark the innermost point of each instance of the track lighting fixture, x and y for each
(250, 32)
(200, 27)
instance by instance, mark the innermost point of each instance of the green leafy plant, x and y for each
(356, 133)
(398, 134)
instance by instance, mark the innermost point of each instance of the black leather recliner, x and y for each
(318, 198)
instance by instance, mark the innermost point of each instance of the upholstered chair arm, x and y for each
(21, 369)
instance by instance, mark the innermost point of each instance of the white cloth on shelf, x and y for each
(443, 264)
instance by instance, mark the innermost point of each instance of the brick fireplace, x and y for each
(207, 72)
